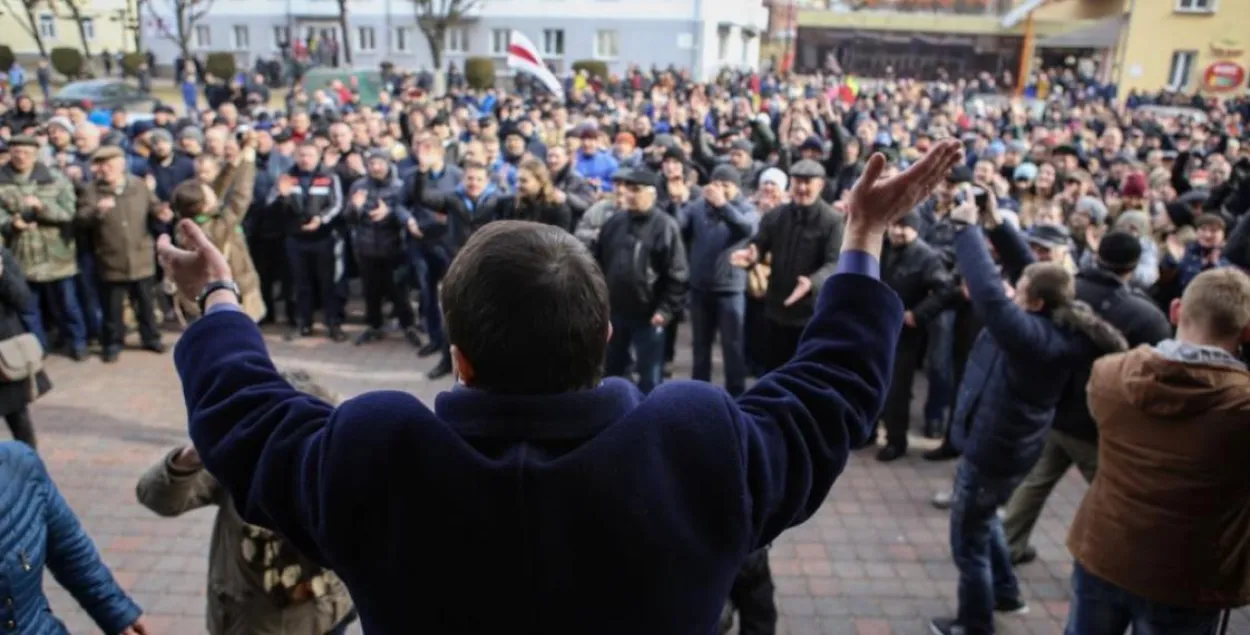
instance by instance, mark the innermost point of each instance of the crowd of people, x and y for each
(1079, 244)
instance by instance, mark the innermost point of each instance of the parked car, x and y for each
(104, 94)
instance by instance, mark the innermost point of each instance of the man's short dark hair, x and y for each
(473, 165)
(527, 305)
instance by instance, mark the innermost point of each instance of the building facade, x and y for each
(701, 35)
(1145, 45)
(106, 25)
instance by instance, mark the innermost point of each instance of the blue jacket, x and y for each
(599, 165)
(600, 511)
(38, 530)
(1017, 369)
(713, 234)
(168, 177)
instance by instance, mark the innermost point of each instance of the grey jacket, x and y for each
(592, 221)
(237, 603)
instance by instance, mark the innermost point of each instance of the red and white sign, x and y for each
(523, 56)
(1224, 76)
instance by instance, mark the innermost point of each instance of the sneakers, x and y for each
(945, 626)
(942, 500)
(1011, 607)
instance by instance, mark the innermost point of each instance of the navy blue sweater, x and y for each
(600, 511)
(713, 234)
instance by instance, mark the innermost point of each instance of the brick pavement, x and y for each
(873, 561)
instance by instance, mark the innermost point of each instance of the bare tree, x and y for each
(345, 47)
(73, 10)
(436, 17)
(185, 14)
(31, 24)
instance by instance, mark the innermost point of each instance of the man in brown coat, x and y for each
(1162, 539)
(120, 211)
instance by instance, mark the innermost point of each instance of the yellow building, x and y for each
(1141, 44)
(105, 25)
(1190, 44)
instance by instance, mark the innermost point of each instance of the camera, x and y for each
(979, 196)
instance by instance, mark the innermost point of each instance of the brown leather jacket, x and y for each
(1168, 515)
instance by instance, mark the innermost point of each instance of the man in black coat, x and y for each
(1074, 436)
(916, 273)
(644, 261)
(308, 196)
(804, 238)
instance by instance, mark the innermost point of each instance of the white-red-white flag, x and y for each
(523, 56)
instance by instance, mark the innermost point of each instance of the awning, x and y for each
(1103, 34)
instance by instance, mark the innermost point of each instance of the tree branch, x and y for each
(26, 5)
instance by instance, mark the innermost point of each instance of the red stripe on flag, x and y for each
(524, 54)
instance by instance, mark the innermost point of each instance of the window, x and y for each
(403, 39)
(456, 41)
(88, 28)
(1195, 6)
(499, 41)
(366, 40)
(203, 37)
(722, 45)
(281, 36)
(553, 42)
(607, 45)
(47, 26)
(242, 39)
(1181, 70)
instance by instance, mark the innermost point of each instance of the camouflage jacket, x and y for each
(45, 248)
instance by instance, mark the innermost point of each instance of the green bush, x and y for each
(220, 65)
(594, 68)
(68, 62)
(6, 57)
(479, 72)
(131, 63)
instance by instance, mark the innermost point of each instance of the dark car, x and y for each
(105, 94)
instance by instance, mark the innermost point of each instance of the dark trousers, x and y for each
(61, 298)
(379, 279)
(647, 342)
(114, 330)
(87, 283)
(1102, 608)
(316, 266)
(940, 366)
(752, 596)
(271, 262)
(755, 336)
(21, 426)
(670, 339)
(723, 313)
(980, 548)
(783, 342)
(433, 267)
(897, 412)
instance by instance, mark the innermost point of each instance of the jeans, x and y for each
(724, 313)
(62, 300)
(648, 346)
(980, 548)
(316, 262)
(432, 270)
(1101, 608)
(940, 366)
(87, 283)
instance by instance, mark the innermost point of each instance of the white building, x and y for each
(702, 35)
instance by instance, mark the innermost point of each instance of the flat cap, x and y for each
(807, 169)
(1047, 235)
(636, 176)
(107, 152)
(23, 140)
